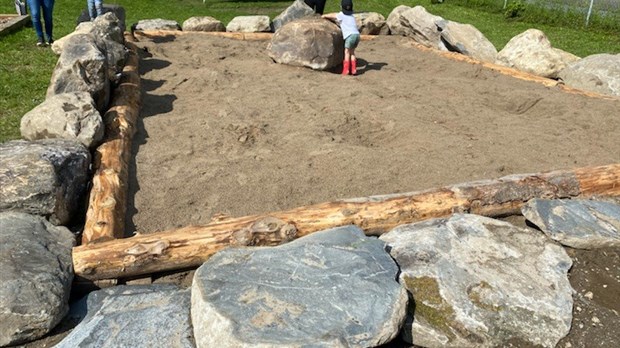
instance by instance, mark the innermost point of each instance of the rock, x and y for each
(467, 40)
(479, 282)
(249, 24)
(311, 42)
(335, 288)
(371, 23)
(117, 10)
(580, 224)
(297, 10)
(133, 316)
(82, 67)
(72, 116)
(157, 24)
(35, 276)
(44, 177)
(531, 52)
(599, 73)
(204, 23)
(82, 28)
(417, 24)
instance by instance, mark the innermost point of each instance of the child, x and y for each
(350, 33)
(95, 8)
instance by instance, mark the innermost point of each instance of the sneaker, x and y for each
(41, 42)
(50, 41)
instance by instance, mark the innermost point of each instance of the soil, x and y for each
(226, 131)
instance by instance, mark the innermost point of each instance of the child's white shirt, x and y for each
(347, 24)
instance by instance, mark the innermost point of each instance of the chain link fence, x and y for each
(586, 8)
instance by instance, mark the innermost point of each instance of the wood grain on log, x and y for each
(191, 246)
(105, 218)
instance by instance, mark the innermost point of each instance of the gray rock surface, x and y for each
(599, 73)
(335, 288)
(579, 224)
(249, 24)
(417, 24)
(204, 23)
(157, 24)
(479, 282)
(133, 316)
(71, 116)
(371, 23)
(467, 40)
(310, 42)
(35, 276)
(44, 177)
(297, 10)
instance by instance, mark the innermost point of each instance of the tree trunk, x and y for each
(191, 246)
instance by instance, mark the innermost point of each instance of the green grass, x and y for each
(25, 70)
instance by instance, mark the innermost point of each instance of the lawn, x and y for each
(25, 69)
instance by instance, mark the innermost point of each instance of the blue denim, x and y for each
(47, 7)
(95, 8)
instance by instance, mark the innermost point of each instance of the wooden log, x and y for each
(105, 217)
(227, 34)
(191, 246)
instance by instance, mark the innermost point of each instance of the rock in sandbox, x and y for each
(580, 224)
(117, 10)
(157, 24)
(480, 282)
(311, 42)
(249, 24)
(133, 316)
(467, 40)
(531, 52)
(44, 177)
(204, 23)
(335, 288)
(371, 23)
(35, 276)
(417, 24)
(297, 10)
(599, 73)
(72, 116)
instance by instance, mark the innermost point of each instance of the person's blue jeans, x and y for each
(95, 8)
(47, 7)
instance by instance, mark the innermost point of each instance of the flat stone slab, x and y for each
(335, 288)
(581, 224)
(133, 316)
(10, 23)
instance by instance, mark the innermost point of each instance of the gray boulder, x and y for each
(35, 276)
(599, 73)
(44, 177)
(467, 40)
(204, 23)
(117, 10)
(531, 52)
(157, 24)
(82, 67)
(132, 316)
(297, 10)
(417, 24)
(371, 23)
(335, 288)
(479, 282)
(579, 224)
(72, 116)
(311, 42)
(249, 24)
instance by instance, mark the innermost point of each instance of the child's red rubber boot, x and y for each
(354, 67)
(345, 67)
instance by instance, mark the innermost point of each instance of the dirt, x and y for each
(225, 130)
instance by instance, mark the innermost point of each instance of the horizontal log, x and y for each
(191, 246)
(226, 34)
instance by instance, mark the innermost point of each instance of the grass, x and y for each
(25, 70)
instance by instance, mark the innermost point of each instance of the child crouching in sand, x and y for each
(350, 34)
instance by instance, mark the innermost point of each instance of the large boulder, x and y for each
(417, 24)
(579, 224)
(117, 10)
(371, 23)
(312, 42)
(204, 23)
(82, 67)
(479, 282)
(531, 52)
(44, 177)
(132, 316)
(72, 116)
(249, 24)
(335, 288)
(157, 24)
(35, 276)
(599, 73)
(467, 40)
(297, 10)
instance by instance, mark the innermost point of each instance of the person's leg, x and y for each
(35, 15)
(92, 12)
(48, 9)
(356, 41)
(99, 7)
(346, 64)
(320, 6)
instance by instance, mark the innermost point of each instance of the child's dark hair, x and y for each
(347, 7)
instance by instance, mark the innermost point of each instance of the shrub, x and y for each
(514, 9)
